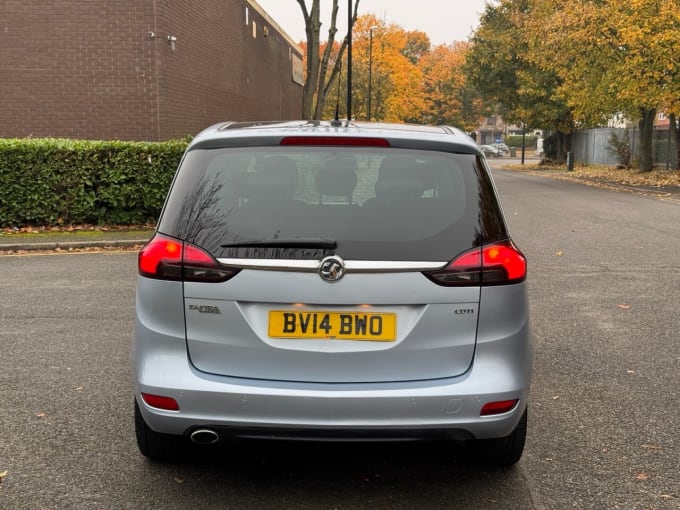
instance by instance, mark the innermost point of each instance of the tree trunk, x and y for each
(312, 29)
(563, 145)
(675, 132)
(317, 84)
(645, 156)
(325, 60)
(559, 148)
(324, 90)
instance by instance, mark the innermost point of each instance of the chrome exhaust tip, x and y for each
(204, 436)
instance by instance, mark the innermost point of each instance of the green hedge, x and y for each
(56, 181)
(516, 141)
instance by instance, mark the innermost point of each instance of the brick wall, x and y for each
(222, 68)
(93, 70)
(79, 72)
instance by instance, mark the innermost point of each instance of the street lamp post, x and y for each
(370, 68)
(349, 61)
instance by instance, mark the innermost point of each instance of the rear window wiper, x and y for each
(327, 244)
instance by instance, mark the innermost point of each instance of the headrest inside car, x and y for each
(337, 177)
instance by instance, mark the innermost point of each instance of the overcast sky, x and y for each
(444, 21)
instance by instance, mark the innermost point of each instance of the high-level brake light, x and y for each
(341, 141)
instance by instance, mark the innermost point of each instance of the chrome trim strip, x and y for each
(274, 264)
(359, 266)
(352, 266)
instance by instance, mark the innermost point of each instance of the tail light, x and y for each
(165, 258)
(494, 264)
(161, 402)
(499, 407)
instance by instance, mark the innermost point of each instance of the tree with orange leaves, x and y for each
(448, 98)
(396, 91)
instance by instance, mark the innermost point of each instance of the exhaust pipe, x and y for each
(204, 436)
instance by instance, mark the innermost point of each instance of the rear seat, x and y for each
(267, 197)
(337, 178)
(335, 183)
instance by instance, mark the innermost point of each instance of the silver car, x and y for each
(309, 280)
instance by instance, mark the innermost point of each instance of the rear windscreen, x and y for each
(360, 203)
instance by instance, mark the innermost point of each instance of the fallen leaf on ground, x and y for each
(641, 476)
(607, 174)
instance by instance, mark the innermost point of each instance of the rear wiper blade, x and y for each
(327, 244)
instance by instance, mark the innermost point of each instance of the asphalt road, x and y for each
(605, 295)
(604, 420)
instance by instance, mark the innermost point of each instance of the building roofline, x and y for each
(274, 24)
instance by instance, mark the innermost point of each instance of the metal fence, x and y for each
(593, 146)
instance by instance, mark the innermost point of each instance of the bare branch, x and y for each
(318, 83)
(312, 29)
(332, 30)
(305, 12)
(324, 88)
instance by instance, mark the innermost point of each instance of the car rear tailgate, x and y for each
(229, 331)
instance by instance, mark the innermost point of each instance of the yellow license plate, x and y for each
(376, 327)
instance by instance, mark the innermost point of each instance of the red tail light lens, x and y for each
(160, 402)
(500, 407)
(161, 258)
(493, 264)
(165, 258)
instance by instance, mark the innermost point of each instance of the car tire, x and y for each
(502, 451)
(156, 445)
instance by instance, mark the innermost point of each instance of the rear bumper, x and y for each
(400, 410)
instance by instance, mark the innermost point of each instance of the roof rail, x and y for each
(254, 123)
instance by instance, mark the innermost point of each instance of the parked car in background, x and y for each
(490, 151)
(311, 281)
(502, 149)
